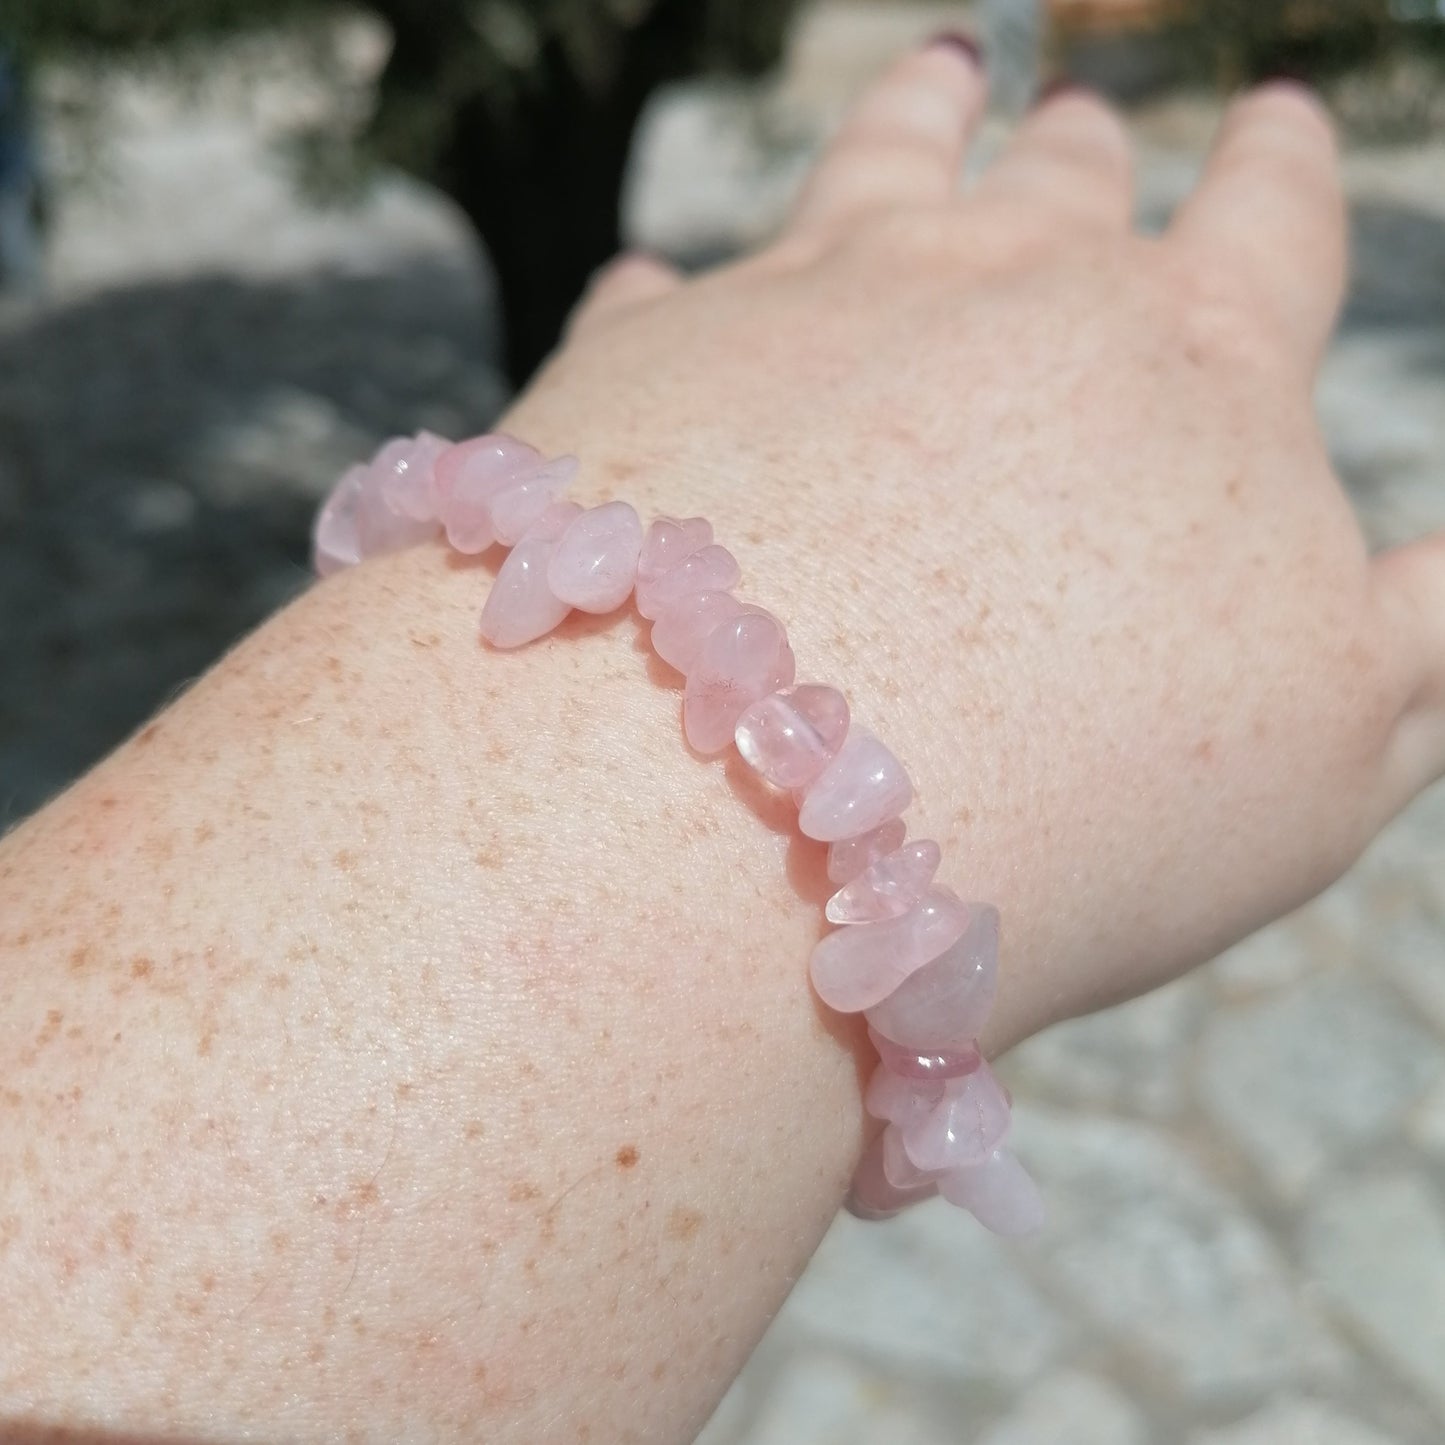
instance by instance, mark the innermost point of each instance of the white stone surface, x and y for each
(830, 1400)
(1121, 1059)
(1071, 1406)
(875, 1293)
(1377, 1247)
(1172, 1267)
(1314, 1075)
(1296, 1422)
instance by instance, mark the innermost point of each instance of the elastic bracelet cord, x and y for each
(916, 960)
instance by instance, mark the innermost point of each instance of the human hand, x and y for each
(1050, 497)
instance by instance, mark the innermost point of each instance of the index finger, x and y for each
(1270, 208)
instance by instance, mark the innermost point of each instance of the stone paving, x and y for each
(1246, 1171)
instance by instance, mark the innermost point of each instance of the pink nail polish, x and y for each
(962, 42)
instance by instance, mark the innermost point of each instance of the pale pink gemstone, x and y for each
(848, 857)
(908, 1063)
(789, 736)
(355, 522)
(494, 457)
(595, 564)
(855, 968)
(521, 607)
(518, 505)
(380, 529)
(467, 516)
(964, 1128)
(667, 542)
(742, 659)
(336, 536)
(942, 1006)
(873, 1195)
(408, 474)
(709, 569)
(466, 478)
(898, 1169)
(904, 1102)
(863, 786)
(888, 887)
(998, 1193)
(678, 635)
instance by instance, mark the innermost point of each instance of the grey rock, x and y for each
(827, 1399)
(1315, 1074)
(880, 1293)
(1151, 1250)
(1125, 1058)
(1071, 1406)
(1297, 1422)
(1377, 1247)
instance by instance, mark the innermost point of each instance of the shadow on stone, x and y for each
(162, 446)
(1399, 268)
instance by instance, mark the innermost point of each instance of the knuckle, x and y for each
(1221, 317)
(917, 234)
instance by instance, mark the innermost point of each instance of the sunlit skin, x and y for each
(407, 1041)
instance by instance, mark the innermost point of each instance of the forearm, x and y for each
(412, 1039)
(412, 1042)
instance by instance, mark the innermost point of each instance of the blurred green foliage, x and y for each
(1232, 41)
(521, 110)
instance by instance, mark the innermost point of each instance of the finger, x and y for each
(903, 144)
(1069, 166)
(625, 281)
(1270, 211)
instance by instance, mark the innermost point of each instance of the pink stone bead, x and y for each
(356, 522)
(466, 478)
(904, 1102)
(336, 537)
(678, 635)
(521, 607)
(898, 1169)
(595, 564)
(709, 569)
(407, 467)
(848, 857)
(863, 786)
(517, 506)
(667, 542)
(889, 886)
(382, 530)
(790, 736)
(855, 968)
(873, 1195)
(467, 516)
(742, 659)
(941, 1007)
(908, 1063)
(998, 1193)
(494, 456)
(964, 1128)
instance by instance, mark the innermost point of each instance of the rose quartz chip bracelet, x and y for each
(918, 962)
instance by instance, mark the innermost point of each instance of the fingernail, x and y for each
(958, 40)
(1058, 85)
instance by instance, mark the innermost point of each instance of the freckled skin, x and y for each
(1083, 565)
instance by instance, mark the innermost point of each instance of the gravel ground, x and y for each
(1246, 1170)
